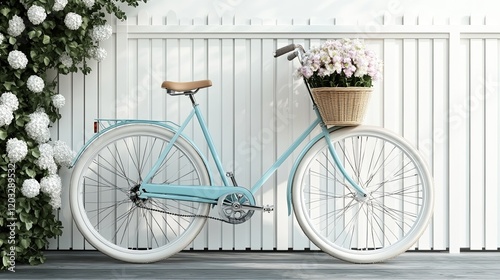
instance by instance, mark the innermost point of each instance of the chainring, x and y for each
(231, 208)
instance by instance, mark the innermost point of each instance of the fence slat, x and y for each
(457, 171)
(227, 121)
(255, 141)
(476, 151)
(492, 134)
(438, 144)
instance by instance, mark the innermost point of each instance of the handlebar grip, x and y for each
(284, 50)
(292, 56)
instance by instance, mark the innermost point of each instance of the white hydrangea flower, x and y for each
(17, 59)
(73, 21)
(6, 115)
(58, 101)
(101, 32)
(36, 14)
(1, 38)
(46, 159)
(89, 3)
(35, 84)
(46, 150)
(55, 201)
(51, 185)
(66, 60)
(31, 188)
(10, 100)
(16, 150)
(98, 54)
(63, 155)
(16, 26)
(59, 5)
(38, 127)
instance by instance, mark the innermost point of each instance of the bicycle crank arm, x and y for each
(267, 208)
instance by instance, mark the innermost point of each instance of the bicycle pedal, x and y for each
(268, 208)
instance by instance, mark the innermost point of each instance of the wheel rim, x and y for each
(110, 215)
(364, 229)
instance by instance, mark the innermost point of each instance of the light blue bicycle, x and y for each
(141, 190)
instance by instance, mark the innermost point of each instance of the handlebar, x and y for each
(284, 50)
(296, 49)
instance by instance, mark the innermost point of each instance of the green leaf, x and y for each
(31, 172)
(24, 243)
(29, 225)
(35, 153)
(39, 243)
(24, 217)
(3, 134)
(31, 34)
(5, 11)
(12, 40)
(7, 85)
(46, 61)
(46, 39)
(20, 122)
(5, 261)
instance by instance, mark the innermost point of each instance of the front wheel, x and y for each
(380, 226)
(103, 191)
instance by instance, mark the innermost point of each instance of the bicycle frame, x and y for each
(211, 194)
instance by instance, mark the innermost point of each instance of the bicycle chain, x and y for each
(180, 215)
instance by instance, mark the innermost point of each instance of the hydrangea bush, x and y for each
(340, 63)
(37, 36)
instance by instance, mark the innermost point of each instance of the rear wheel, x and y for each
(368, 229)
(106, 208)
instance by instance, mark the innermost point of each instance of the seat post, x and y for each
(193, 101)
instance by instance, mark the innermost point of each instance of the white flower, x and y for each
(101, 32)
(342, 62)
(16, 26)
(98, 54)
(6, 115)
(46, 150)
(63, 155)
(16, 150)
(17, 59)
(66, 60)
(46, 159)
(58, 101)
(51, 185)
(59, 5)
(38, 127)
(31, 188)
(73, 21)
(10, 100)
(36, 14)
(55, 201)
(1, 38)
(35, 84)
(89, 3)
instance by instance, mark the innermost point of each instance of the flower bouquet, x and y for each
(341, 74)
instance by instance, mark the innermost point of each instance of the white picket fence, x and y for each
(440, 90)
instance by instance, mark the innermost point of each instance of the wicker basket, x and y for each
(342, 106)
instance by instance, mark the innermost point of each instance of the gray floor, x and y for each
(262, 265)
